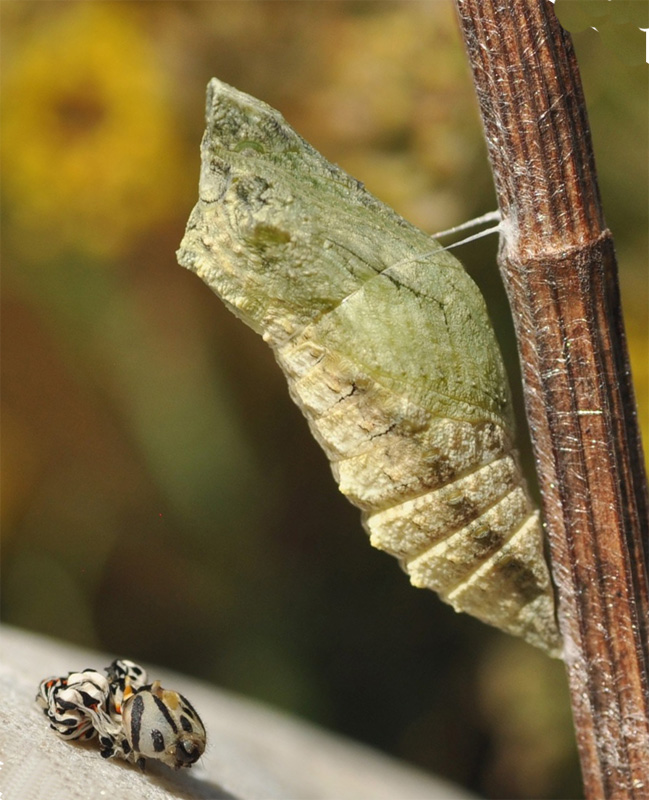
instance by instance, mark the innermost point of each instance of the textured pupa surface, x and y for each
(388, 350)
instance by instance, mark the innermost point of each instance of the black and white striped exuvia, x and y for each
(133, 719)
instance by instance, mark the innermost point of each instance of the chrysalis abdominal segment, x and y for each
(388, 350)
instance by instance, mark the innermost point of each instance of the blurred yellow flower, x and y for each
(89, 149)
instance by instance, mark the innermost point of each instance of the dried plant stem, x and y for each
(558, 265)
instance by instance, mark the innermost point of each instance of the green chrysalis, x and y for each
(388, 350)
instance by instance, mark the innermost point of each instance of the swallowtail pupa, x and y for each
(388, 351)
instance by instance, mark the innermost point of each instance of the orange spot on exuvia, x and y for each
(172, 699)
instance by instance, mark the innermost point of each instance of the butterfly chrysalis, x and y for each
(388, 350)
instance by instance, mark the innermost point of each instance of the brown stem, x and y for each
(558, 265)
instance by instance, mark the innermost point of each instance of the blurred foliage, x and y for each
(162, 498)
(620, 24)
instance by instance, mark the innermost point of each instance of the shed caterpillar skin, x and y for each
(132, 719)
(388, 351)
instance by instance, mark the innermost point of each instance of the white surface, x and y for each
(253, 753)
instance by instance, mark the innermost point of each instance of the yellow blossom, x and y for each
(89, 150)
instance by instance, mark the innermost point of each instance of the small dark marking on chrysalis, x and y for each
(486, 542)
(523, 578)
